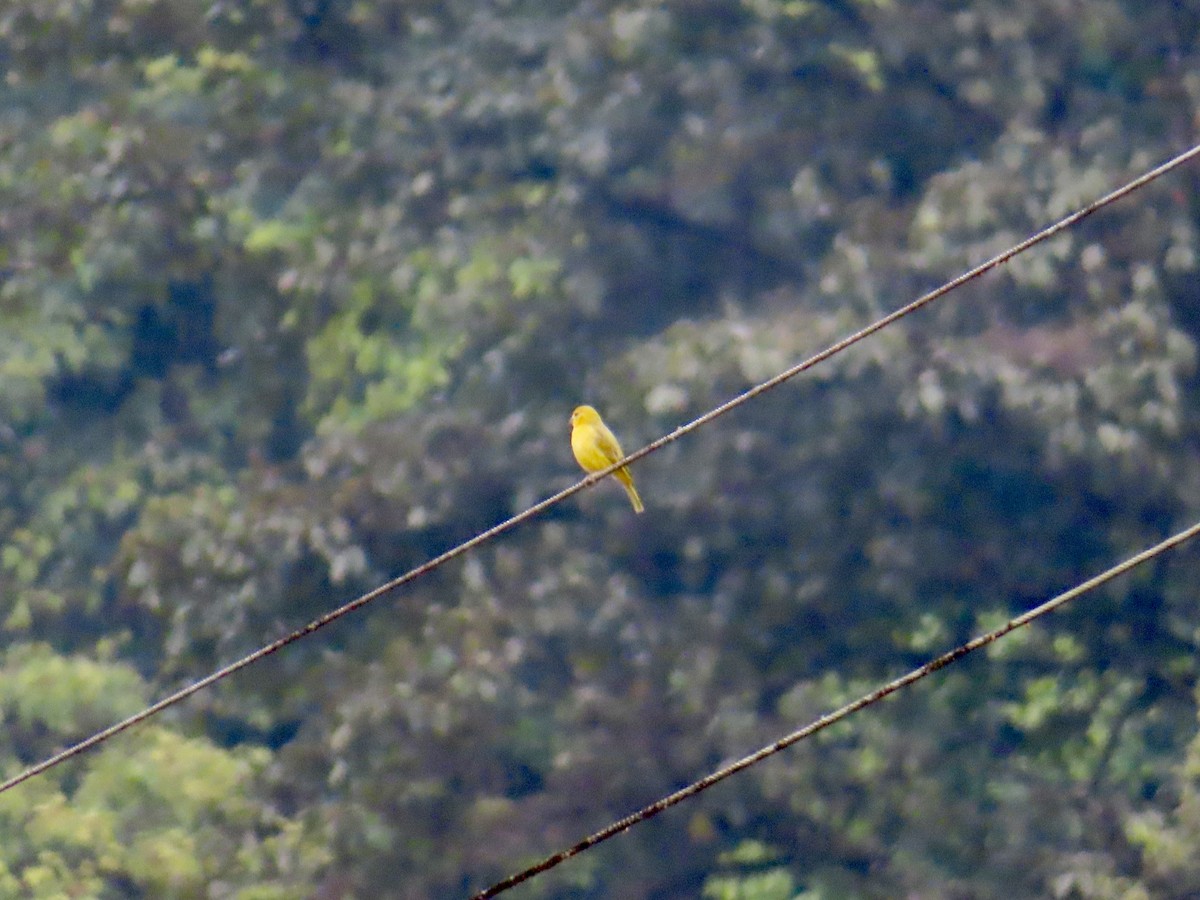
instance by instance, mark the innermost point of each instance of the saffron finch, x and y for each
(596, 448)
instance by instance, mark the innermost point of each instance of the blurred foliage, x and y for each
(297, 295)
(166, 815)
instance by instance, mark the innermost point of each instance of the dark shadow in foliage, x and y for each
(545, 668)
(911, 129)
(687, 264)
(91, 390)
(192, 310)
(325, 35)
(288, 432)
(520, 779)
(180, 330)
(177, 331)
(232, 731)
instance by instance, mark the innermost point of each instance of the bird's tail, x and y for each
(627, 480)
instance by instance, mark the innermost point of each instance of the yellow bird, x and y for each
(596, 448)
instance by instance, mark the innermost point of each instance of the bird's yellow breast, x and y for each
(589, 447)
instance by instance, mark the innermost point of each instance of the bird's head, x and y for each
(584, 415)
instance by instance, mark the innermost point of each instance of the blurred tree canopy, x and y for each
(297, 294)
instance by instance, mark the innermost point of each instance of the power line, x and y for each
(838, 715)
(495, 531)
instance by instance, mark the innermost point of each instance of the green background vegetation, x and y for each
(295, 294)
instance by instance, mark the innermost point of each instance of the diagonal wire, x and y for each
(508, 524)
(838, 715)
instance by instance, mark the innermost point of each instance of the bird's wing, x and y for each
(608, 444)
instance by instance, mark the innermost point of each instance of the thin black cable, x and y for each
(838, 715)
(496, 530)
